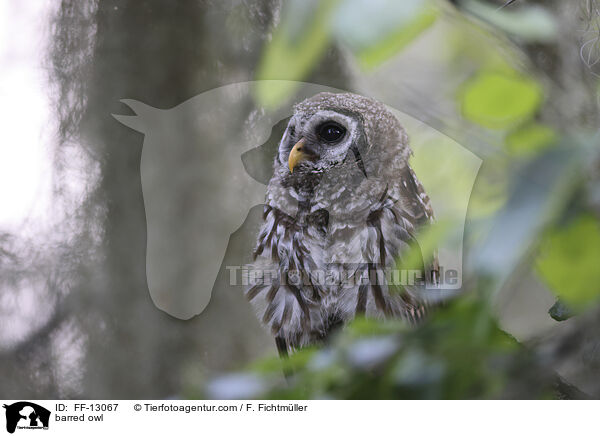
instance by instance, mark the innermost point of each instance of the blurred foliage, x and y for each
(530, 139)
(499, 100)
(529, 22)
(459, 353)
(430, 238)
(569, 261)
(451, 184)
(296, 47)
(398, 24)
(372, 31)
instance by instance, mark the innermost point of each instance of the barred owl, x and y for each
(342, 207)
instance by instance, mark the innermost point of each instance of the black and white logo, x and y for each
(26, 415)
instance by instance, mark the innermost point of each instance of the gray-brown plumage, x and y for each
(342, 207)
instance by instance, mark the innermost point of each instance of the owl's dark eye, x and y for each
(331, 132)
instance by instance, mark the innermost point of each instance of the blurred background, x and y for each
(516, 85)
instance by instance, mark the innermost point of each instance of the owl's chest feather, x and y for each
(319, 262)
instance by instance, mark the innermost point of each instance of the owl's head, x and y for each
(342, 138)
(315, 142)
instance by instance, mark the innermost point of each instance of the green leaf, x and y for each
(499, 101)
(530, 139)
(569, 259)
(296, 47)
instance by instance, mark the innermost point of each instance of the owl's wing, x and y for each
(394, 224)
(419, 204)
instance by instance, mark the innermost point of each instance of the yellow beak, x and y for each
(297, 154)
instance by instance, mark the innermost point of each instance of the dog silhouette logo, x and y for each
(26, 415)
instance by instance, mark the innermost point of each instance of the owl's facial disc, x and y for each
(318, 142)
